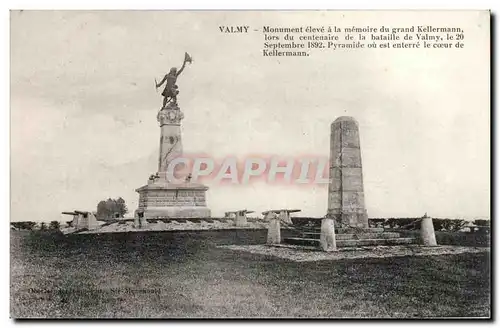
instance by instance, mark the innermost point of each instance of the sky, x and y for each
(83, 109)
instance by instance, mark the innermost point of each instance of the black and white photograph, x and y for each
(250, 164)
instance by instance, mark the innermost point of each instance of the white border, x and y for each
(180, 4)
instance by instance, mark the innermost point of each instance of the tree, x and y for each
(121, 207)
(102, 210)
(448, 224)
(111, 208)
(54, 225)
(458, 224)
(376, 223)
(24, 225)
(43, 226)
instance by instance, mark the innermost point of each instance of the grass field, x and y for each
(164, 275)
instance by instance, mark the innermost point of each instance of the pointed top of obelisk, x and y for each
(345, 119)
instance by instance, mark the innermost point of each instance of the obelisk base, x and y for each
(353, 219)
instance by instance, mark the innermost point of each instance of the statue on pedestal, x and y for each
(171, 89)
(171, 194)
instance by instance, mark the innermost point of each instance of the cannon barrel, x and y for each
(282, 210)
(82, 212)
(241, 211)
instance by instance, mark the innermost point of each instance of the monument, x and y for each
(164, 196)
(346, 201)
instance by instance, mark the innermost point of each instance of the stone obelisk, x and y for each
(167, 195)
(346, 201)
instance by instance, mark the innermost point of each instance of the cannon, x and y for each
(240, 219)
(282, 214)
(76, 212)
(82, 219)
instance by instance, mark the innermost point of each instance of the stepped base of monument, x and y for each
(349, 230)
(353, 230)
(347, 236)
(352, 242)
(352, 237)
(176, 212)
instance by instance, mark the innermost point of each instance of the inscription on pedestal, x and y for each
(172, 198)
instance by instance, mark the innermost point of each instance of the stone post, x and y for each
(137, 223)
(327, 237)
(142, 221)
(427, 232)
(274, 230)
(139, 220)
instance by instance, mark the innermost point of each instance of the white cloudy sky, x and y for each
(83, 109)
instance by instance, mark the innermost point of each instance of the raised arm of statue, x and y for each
(187, 59)
(182, 68)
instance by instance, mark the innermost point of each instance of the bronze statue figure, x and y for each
(171, 89)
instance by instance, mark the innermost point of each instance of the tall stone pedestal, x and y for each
(162, 198)
(346, 199)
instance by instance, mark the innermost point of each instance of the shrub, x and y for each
(54, 225)
(457, 225)
(392, 223)
(448, 224)
(24, 225)
(415, 224)
(376, 223)
(483, 223)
